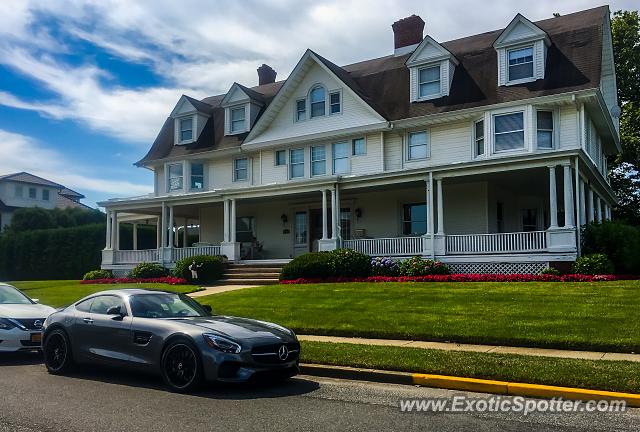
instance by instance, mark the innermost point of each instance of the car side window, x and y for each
(84, 306)
(102, 304)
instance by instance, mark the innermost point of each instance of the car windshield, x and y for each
(10, 295)
(165, 305)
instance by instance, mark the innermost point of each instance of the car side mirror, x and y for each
(208, 308)
(116, 311)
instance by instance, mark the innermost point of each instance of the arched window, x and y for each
(317, 98)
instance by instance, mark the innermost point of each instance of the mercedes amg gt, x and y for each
(169, 334)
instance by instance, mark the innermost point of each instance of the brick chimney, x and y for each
(407, 33)
(266, 75)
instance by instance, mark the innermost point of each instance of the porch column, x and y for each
(163, 227)
(135, 236)
(334, 215)
(226, 221)
(185, 233)
(114, 230)
(325, 230)
(107, 242)
(338, 218)
(158, 232)
(170, 227)
(440, 207)
(583, 203)
(569, 217)
(553, 198)
(598, 208)
(590, 211)
(233, 221)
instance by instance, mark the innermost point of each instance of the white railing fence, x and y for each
(533, 241)
(135, 256)
(394, 246)
(180, 253)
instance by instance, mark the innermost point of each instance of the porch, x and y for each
(514, 219)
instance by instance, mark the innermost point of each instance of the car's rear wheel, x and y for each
(57, 352)
(181, 368)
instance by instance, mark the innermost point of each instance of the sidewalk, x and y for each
(218, 289)
(446, 346)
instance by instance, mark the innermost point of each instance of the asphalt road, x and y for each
(109, 400)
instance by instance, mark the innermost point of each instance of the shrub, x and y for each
(550, 271)
(318, 265)
(210, 268)
(593, 264)
(97, 274)
(416, 266)
(349, 263)
(620, 242)
(147, 271)
(384, 267)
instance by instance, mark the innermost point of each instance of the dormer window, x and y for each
(318, 99)
(431, 69)
(522, 50)
(429, 81)
(238, 120)
(520, 63)
(186, 129)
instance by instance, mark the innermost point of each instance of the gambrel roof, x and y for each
(573, 64)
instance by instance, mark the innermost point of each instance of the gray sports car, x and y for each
(169, 334)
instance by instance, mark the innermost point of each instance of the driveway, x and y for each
(107, 400)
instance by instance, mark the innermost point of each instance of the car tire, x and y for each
(57, 352)
(181, 366)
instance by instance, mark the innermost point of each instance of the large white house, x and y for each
(485, 152)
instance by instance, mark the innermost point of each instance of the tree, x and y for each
(625, 168)
(35, 218)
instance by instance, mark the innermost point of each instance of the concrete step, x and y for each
(252, 275)
(253, 270)
(247, 282)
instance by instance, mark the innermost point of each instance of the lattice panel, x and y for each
(120, 272)
(498, 268)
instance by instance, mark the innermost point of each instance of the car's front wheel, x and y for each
(181, 368)
(57, 352)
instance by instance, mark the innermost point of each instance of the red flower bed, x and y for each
(469, 278)
(171, 280)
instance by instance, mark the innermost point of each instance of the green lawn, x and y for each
(599, 375)
(64, 292)
(596, 316)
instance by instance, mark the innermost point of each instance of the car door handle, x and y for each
(88, 320)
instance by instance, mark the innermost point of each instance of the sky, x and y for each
(85, 85)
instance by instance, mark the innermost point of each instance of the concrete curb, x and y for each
(466, 384)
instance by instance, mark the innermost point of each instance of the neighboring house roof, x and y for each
(573, 64)
(64, 202)
(25, 177)
(65, 198)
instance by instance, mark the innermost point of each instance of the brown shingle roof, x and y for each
(25, 177)
(573, 63)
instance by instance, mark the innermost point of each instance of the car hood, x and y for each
(238, 328)
(25, 311)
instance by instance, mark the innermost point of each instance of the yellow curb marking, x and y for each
(521, 389)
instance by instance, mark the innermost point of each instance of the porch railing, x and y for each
(180, 253)
(533, 241)
(135, 256)
(394, 246)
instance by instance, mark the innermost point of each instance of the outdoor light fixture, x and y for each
(358, 213)
(284, 218)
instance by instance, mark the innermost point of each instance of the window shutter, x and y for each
(413, 87)
(502, 70)
(227, 121)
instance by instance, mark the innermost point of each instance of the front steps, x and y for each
(251, 274)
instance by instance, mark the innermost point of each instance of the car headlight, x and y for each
(222, 343)
(6, 324)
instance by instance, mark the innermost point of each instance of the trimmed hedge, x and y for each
(148, 271)
(61, 253)
(592, 264)
(309, 265)
(619, 241)
(97, 274)
(210, 268)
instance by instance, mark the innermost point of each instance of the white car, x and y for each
(21, 320)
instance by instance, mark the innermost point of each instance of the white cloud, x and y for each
(29, 155)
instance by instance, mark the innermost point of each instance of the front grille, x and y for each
(28, 343)
(30, 323)
(269, 353)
